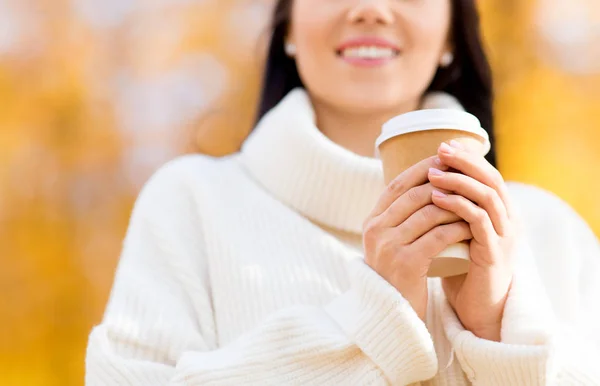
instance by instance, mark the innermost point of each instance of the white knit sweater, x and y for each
(247, 270)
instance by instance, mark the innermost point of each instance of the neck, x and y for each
(355, 131)
(328, 182)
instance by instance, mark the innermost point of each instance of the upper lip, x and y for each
(370, 41)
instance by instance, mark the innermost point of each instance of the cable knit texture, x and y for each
(248, 270)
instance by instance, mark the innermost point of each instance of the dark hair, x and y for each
(468, 78)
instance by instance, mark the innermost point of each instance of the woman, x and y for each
(291, 262)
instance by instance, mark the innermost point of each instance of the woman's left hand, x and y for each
(480, 197)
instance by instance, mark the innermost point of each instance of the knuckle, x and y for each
(370, 228)
(388, 247)
(480, 215)
(414, 195)
(431, 161)
(441, 235)
(370, 222)
(429, 212)
(392, 210)
(371, 233)
(489, 196)
(397, 185)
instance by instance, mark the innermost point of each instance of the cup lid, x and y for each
(429, 119)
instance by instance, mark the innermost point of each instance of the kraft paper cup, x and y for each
(410, 138)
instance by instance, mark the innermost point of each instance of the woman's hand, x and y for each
(479, 196)
(405, 230)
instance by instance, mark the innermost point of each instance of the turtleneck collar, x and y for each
(288, 155)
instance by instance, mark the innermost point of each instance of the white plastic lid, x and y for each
(420, 120)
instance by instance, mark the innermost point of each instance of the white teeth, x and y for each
(369, 52)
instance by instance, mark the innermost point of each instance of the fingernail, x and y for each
(437, 161)
(445, 148)
(436, 172)
(438, 194)
(455, 144)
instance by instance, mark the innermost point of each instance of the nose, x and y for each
(371, 12)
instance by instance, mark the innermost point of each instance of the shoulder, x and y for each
(528, 193)
(193, 168)
(192, 171)
(533, 201)
(182, 182)
(549, 220)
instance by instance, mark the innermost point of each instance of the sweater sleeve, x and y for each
(542, 342)
(159, 327)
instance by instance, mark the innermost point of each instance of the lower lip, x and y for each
(361, 62)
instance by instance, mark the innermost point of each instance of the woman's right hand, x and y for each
(405, 231)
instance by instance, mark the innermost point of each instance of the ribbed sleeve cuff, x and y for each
(492, 363)
(386, 328)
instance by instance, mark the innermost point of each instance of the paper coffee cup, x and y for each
(410, 138)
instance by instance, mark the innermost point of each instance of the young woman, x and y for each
(291, 262)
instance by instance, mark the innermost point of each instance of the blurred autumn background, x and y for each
(96, 94)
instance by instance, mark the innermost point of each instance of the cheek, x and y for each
(313, 26)
(310, 24)
(429, 35)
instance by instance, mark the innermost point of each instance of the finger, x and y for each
(470, 188)
(475, 166)
(424, 220)
(439, 238)
(478, 219)
(411, 177)
(407, 204)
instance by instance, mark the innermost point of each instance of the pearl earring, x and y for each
(447, 59)
(290, 49)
